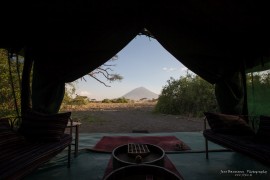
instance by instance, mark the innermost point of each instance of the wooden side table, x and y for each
(75, 125)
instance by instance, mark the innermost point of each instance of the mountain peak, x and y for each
(140, 93)
(141, 88)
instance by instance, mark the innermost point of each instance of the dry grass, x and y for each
(126, 117)
(98, 106)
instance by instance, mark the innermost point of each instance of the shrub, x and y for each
(120, 100)
(190, 95)
(106, 101)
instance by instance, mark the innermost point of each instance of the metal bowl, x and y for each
(142, 172)
(121, 157)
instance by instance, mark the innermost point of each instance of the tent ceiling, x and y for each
(225, 33)
(67, 39)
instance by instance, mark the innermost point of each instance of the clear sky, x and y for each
(143, 62)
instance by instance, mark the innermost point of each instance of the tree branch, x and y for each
(105, 70)
(99, 80)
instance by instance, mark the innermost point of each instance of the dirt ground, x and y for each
(130, 117)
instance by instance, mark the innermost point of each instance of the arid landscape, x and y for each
(130, 117)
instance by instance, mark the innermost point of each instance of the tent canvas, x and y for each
(218, 40)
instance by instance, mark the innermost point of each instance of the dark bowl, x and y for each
(121, 158)
(142, 172)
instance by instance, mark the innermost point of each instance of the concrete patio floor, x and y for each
(192, 165)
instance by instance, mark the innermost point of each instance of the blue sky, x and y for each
(143, 62)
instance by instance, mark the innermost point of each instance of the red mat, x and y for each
(167, 165)
(167, 143)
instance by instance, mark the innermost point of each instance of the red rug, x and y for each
(167, 143)
(167, 165)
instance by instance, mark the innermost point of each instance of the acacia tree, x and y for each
(105, 71)
(102, 74)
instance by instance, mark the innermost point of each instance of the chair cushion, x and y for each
(228, 124)
(263, 132)
(42, 127)
(19, 160)
(246, 145)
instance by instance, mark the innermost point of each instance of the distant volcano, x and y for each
(140, 93)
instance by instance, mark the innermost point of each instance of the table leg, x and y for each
(76, 140)
(206, 148)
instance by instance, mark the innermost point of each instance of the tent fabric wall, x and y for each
(230, 94)
(70, 39)
(91, 46)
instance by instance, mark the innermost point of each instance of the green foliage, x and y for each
(106, 101)
(69, 93)
(118, 100)
(71, 99)
(7, 100)
(258, 93)
(80, 100)
(190, 95)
